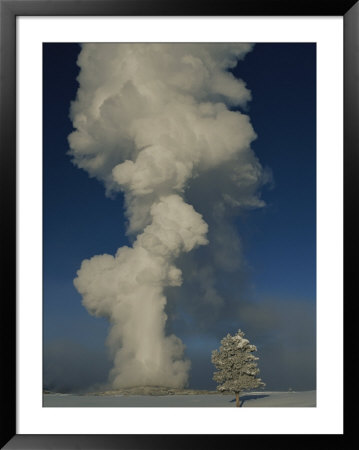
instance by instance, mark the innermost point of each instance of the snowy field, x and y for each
(248, 400)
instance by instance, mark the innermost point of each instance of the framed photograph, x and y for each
(174, 194)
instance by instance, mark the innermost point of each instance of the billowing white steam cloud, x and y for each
(149, 118)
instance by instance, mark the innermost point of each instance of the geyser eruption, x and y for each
(148, 118)
(128, 290)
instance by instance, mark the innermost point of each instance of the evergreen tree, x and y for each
(237, 369)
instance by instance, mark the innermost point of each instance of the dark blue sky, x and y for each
(279, 240)
(283, 112)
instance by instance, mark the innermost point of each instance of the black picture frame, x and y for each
(9, 10)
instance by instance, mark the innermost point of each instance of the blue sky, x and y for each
(275, 287)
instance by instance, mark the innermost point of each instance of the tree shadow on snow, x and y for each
(245, 398)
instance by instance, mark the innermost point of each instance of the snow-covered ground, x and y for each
(248, 400)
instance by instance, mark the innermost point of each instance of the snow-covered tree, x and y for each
(237, 369)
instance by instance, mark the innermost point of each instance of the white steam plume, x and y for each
(148, 118)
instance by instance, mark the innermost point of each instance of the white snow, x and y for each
(248, 400)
